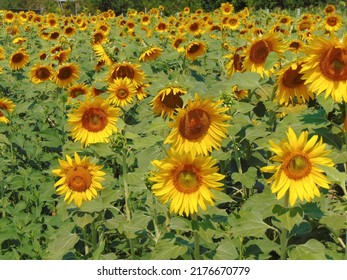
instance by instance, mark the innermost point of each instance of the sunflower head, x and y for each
(40, 73)
(8, 106)
(122, 91)
(298, 173)
(195, 49)
(66, 74)
(168, 100)
(151, 54)
(126, 70)
(19, 59)
(186, 182)
(79, 179)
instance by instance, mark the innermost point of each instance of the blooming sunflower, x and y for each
(150, 54)
(332, 22)
(6, 105)
(291, 87)
(186, 181)
(77, 90)
(235, 63)
(198, 127)
(40, 73)
(329, 9)
(80, 179)
(325, 68)
(102, 54)
(168, 100)
(122, 91)
(19, 59)
(299, 174)
(2, 53)
(126, 69)
(66, 75)
(227, 8)
(93, 121)
(257, 53)
(195, 50)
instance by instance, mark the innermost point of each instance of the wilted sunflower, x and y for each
(66, 75)
(122, 91)
(186, 182)
(299, 174)
(291, 87)
(126, 70)
(325, 68)
(19, 59)
(332, 22)
(151, 54)
(195, 50)
(80, 179)
(199, 127)
(257, 53)
(40, 73)
(6, 105)
(168, 100)
(93, 121)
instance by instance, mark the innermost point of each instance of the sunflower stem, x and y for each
(195, 228)
(86, 247)
(155, 220)
(284, 233)
(127, 199)
(94, 236)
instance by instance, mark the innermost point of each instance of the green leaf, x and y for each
(246, 80)
(301, 229)
(247, 179)
(251, 224)
(179, 223)
(167, 250)
(288, 217)
(4, 139)
(335, 222)
(271, 60)
(83, 220)
(311, 250)
(226, 250)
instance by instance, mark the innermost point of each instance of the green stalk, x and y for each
(196, 252)
(86, 247)
(284, 233)
(155, 220)
(94, 236)
(127, 200)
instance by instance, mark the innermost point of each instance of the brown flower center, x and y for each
(79, 179)
(193, 48)
(292, 78)
(332, 21)
(122, 93)
(259, 51)
(187, 179)
(294, 45)
(17, 58)
(43, 73)
(297, 166)
(65, 73)
(172, 101)
(124, 71)
(333, 64)
(194, 124)
(94, 119)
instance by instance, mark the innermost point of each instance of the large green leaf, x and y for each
(311, 250)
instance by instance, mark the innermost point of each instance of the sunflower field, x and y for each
(202, 135)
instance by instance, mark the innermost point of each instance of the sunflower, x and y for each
(62, 56)
(291, 87)
(19, 59)
(80, 179)
(77, 90)
(186, 182)
(69, 31)
(122, 91)
(126, 69)
(99, 37)
(66, 75)
(2, 53)
(257, 53)
(227, 8)
(141, 92)
(325, 67)
(199, 127)
(40, 73)
(332, 22)
(329, 9)
(235, 63)
(9, 16)
(195, 50)
(93, 121)
(6, 105)
(299, 174)
(177, 42)
(296, 45)
(151, 54)
(145, 20)
(240, 93)
(101, 53)
(168, 100)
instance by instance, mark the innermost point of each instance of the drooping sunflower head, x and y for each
(151, 54)
(8, 106)
(19, 59)
(41, 73)
(325, 68)
(195, 50)
(291, 88)
(168, 100)
(299, 173)
(199, 127)
(66, 75)
(79, 179)
(122, 91)
(126, 70)
(186, 182)
(93, 121)
(102, 54)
